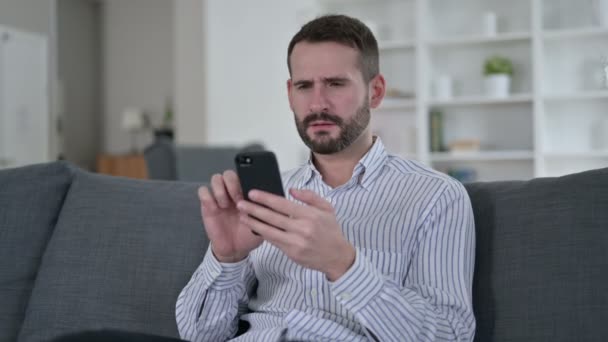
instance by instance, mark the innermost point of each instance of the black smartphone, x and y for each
(259, 170)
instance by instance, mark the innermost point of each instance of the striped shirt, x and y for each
(413, 232)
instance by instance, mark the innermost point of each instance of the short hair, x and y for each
(344, 30)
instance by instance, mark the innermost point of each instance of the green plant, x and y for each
(168, 115)
(498, 65)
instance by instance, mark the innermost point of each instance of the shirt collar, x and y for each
(371, 164)
(310, 170)
(366, 169)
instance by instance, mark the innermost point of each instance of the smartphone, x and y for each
(259, 170)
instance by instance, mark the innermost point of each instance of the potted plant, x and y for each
(498, 71)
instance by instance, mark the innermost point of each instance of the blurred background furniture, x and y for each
(167, 161)
(129, 165)
(160, 159)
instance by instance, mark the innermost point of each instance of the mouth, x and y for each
(321, 124)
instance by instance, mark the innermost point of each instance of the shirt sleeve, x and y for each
(433, 302)
(209, 307)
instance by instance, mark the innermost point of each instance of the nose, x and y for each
(318, 101)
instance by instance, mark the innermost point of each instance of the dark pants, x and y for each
(120, 336)
(113, 336)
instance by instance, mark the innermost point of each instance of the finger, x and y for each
(269, 233)
(267, 215)
(233, 185)
(208, 203)
(312, 199)
(277, 203)
(219, 191)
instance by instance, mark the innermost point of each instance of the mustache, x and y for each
(322, 116)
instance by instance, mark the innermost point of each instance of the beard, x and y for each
(322, 142)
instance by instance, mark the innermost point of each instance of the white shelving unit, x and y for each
(472, 40)
(482, 156)
(552, 123)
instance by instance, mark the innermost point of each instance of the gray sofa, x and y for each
(81, 251)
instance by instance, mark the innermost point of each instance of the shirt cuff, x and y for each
(359, 285)
(221, 276)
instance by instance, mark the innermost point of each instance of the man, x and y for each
(366, 246)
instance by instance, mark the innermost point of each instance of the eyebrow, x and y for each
(336, 79)
(325, 80)
(302, 82)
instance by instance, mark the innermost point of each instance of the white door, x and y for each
(24, 114)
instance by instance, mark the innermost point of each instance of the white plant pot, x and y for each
(497, 86)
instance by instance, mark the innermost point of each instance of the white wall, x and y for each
(190, 91)
(137, 43)
(79, 68)
(28, 15)
(246, 74)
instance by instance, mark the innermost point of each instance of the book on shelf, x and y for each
(436, 131)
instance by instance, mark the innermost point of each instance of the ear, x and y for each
(377, 90)
(289, 93)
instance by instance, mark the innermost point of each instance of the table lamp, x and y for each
(134, 120)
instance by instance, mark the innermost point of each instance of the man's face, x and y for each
(328, 95)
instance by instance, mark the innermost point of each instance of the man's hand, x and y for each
(231, 241)
(308, 234)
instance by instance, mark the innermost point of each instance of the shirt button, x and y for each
(214, 274)
(313, 292)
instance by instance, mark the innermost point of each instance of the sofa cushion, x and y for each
(30, 200)
(121, 252)
(541, 270)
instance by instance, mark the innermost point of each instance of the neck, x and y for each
(337, 168)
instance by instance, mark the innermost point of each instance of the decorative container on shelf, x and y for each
(489, 24)
(497, 81)
(601, 10)
(443, 88)
(464, 146)
(594, 73)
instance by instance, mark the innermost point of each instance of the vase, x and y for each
(444, 88)
(497, 86)
(489, 24)
(602, 12)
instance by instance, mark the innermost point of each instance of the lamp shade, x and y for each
(133, 119)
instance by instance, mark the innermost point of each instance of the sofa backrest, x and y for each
(122, 249)
(121, 252)
(30, 200)
(541, 270)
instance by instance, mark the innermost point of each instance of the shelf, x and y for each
(481, 156)
(578, 95)
(388, 45)
(350, 2)
(577, 155)
(575, 33)
(482, 100)
(397, 104)
(556, 104)
(459, 41)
